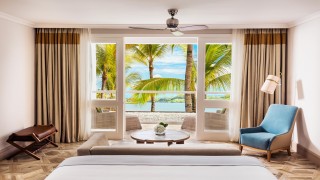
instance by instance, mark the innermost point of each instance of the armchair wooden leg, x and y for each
(288, 151)
(268, 156)
(240, 147)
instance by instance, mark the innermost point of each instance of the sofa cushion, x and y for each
(219, 149)
(96, 139)
(164, 149)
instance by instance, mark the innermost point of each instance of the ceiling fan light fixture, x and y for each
(177, 33)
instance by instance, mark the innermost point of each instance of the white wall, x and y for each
(17, 79)
(304, 82)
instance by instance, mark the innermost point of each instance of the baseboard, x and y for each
(308, 154)
(7, 152)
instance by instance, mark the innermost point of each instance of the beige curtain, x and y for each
(57, 81)
(264, 54)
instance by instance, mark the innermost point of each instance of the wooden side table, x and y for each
(170, 136)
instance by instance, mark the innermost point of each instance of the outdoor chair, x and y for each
(213, 121)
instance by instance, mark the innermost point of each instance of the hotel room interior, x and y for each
(53, 115)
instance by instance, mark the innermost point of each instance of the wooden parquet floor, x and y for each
(24, 167)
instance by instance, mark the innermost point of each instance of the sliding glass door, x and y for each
(213, 92)
(207, 96)
(107, 87)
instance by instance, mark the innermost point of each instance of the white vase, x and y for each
(160, 133)
(159, 130)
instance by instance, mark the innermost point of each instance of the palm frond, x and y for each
(218, 63)
(160, 50)
(160, 84)
(132, 78)
(218, 83)
(155, 84)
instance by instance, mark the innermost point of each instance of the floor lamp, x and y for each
(270, 85)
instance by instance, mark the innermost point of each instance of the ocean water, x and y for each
(163, 107)
(160, 106)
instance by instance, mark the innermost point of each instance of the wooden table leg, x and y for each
(140, 142)
(54, 144)
(23, 150)
(180, 142)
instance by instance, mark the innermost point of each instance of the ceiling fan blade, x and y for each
(145, 28)
(177, 33)
(193, 28)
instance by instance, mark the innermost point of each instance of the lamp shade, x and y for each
(270, 84)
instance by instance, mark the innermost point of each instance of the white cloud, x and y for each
(157, 76)
(171, 59)
(171, 71)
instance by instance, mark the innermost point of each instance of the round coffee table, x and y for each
(170, 137)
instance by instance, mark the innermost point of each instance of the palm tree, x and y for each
(106, 66)
(217, 67)
(146, 54)
(193, 86)
(190, 77)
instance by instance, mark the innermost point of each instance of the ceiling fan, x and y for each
(173, 23)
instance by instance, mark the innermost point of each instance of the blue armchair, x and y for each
(275, 131)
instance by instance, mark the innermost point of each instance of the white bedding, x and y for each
(161, 167)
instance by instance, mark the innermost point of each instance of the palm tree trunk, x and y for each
(104, 81)
(153, 105)
(188, 79)
(194, 103)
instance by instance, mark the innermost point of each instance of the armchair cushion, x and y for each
(279, 119)
(259, 140)
(251, 130)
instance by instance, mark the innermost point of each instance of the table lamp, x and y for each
(270, 85)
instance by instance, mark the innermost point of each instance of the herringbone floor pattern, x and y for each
(25, 167)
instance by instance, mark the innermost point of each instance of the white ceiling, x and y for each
(122, 13)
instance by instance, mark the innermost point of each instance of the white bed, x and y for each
(121, 167)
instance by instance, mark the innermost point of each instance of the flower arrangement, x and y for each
(160, 128)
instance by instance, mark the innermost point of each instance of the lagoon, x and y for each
(162, 107)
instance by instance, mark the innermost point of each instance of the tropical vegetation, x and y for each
(217, 71)
(106, 67)
(146, 54)
(217, 67)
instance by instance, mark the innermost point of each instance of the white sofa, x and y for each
(98, 145)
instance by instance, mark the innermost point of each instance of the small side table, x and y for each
(171, 136)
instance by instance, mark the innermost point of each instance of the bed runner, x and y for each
(162, 160)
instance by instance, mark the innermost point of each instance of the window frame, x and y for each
(202, 103)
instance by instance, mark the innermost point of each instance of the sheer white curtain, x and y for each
(85, 84)
(236, 80)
